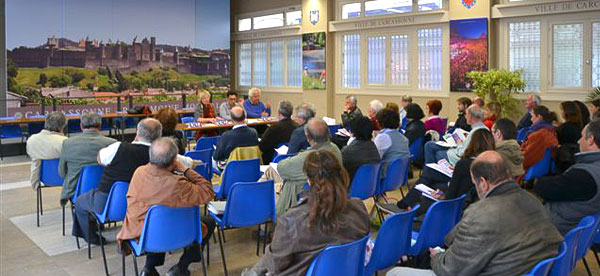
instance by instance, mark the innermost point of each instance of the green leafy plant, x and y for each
(595, 94)
(499, 86)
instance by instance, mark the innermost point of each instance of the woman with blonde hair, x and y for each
(205, 113)
(492, 112)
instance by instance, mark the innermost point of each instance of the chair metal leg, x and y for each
(587, 268)
(41, 205)
(89, 249)
(401, 192)
(208, 252)
(266, 237)
(102, 247)
(202, 261)
(123, 262)
(37, 201)
(597, 259)
(222, 252)
(135, 267)
(258, 240)
(63, 222)
(77, 240)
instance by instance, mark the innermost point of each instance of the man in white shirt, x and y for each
(225, 108)
(46, 145)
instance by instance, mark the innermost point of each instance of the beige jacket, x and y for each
(44, 145)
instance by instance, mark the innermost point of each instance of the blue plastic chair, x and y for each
(248, 204)
(585, 241)
(403, 123)
(566, 265)
(237, 171)
(9, 131)
(346, 259)
(543, 267)
(206, 157)
(89, 178)
(365, 181)
(541, 168)
(189, 135)
(416, 149)
(207, 142)
(393, 241)
(49, 177)
(333, 129)
(522, 134)
(396, 177)
(439, 220)
(114, 210)
(280, 157)
(167, 229)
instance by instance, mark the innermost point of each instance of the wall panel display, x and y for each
(89, 48)
(313, 59)
(468, 51)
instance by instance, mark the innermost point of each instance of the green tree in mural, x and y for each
(43, 80)
(11, 71)
(61, 80)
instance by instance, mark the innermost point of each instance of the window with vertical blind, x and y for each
(524, 51)
(351, 10)
(596, 55)
(429, 48)
(567, 54)
(294, 62)
(259, 64)
(376, 53)
(399, 61)
(245, 74)
(276, 62)
(351, 60)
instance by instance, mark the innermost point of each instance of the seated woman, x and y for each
(585, 113)
(325, 217)
(434, 122)
(541, 136)
(460, 183)
(492, 112)
(360, 149)
(205, 113)
(390, 143)
(568, 134)
(168, 118)
(595, 109)
(415, 128)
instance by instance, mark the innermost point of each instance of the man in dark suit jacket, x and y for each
(298, 141)
(279, 132)
(240, 136)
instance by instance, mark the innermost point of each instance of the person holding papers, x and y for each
(434, 151)
(436, 176)
(360, 149)
(278, 133)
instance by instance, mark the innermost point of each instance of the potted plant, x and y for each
(501, 86)
(595, 94)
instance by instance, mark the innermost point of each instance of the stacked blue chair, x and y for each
(585, 241)
(206, 157)
(541, 168)
(237, 171)
(346, 259)
(543, 267)
(114, 211)
(393, 241)
(566, 265)
(280, 157)
(365, 181)
(49, 177)
(9, 131)
(248, 204)
(167, 229)
(89, 178)
(439, 220)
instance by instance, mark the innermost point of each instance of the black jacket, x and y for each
(231, 139)
(525, 121)
(275, 135)
(298, 140)
(461, 122)
(179, 139)
(568, 133)
(414, 129)
(357, 153)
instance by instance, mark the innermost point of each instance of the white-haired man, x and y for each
(254, 107)
(46, 145)
(533, 100)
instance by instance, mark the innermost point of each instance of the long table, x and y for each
(224, 124)
(122, 114)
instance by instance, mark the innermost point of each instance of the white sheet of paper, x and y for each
(329, 121)
(425, 191)
(282, 150)
(274, 166)
(343, 132)
(263, 168)
(217, 207)
(442, 166)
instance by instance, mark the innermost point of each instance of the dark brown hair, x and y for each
(168, 118)
(388, 118)
(328, 193)
(546, 114)
(571, 112)
(393, 106)
(435, 106)
(481, 140)
(464, 101)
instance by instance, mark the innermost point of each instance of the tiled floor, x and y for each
(19, 255)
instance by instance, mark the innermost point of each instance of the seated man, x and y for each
(225, 108)
(533, 100)
(505, 135)
(497, 232)
(298, 142)
(461, 122)
(46, 145)
(79, 151)
(351, 110)
(290, 169)
(279, 132)
(165, 181)
(254, 107)
(434, 152)
(239, 136)
(576, 193)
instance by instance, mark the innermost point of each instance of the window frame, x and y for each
(414, 11)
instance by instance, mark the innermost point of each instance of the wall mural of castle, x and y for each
(90, 47)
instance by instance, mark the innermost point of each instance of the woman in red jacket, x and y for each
(541, 136)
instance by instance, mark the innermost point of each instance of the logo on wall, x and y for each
(314, 17)
(469, 3)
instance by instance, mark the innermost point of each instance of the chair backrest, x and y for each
(206, 157)
(397, 175)
(170, 228)
(49, 175)
(565, 265)
(207, 142)
(365, 181)
(333, 129)
(346, 259)
(116, 204)
(543, 267)
(416, 149)
(89, 178)
(541, 168)
(439, 220)
(587, 236)
(250, 203)
(238, 171)
(187, 120)
(393, 241)
(280, 157)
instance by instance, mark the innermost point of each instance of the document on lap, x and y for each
(282, 150)
(442, 166)
(217, 207)
(426, 191)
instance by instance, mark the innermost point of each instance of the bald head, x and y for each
(238, 115)
(148, 130)
(316, 131)
(489, 170)
(163, 152)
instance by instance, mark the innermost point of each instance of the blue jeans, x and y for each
(434, 152)
(92, 201)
